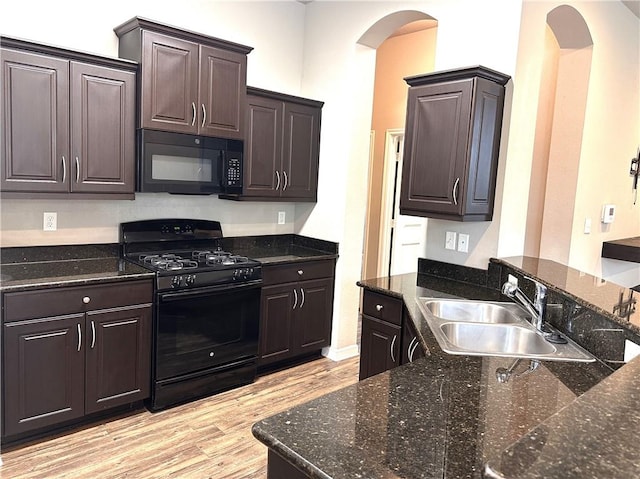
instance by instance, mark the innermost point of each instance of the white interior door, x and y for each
(403, 238)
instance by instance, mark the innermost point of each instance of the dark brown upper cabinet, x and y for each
(282, 147)
(189, 83)
(69, 123)
(452, 141)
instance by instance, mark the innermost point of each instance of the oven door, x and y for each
(206, 328)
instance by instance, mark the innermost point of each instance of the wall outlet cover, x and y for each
(463, 243)
(50, 221)
(281, 217)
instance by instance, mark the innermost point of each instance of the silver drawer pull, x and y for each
(277, 180)
(86, 300)
(300, 272)
(284, 173)
(295, 299)
(193, 113)
(302, 302)
(204, 115)
(79, 337)
(93, 334)
(64, 169)
(379, 307)
(77, 170)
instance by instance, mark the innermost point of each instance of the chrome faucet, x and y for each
(535, 308)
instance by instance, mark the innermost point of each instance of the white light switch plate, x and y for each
(450, 240)
(281, 217)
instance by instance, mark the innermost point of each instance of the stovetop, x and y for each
(191, 260)
(185, 253)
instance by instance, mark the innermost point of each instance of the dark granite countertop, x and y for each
(67, 265)
(279, 249)
(40, 267)
(441, 416)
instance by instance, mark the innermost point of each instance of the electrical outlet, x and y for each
(463, 243)
(587, 226)
(50, 221)
(450, 240)
(281, 217)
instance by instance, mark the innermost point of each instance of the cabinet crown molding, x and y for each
(458, 74)
(151, 25)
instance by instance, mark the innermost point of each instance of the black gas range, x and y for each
(206, 312)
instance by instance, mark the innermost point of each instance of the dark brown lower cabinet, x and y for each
(388, 338)
(61, 368)
(43, 373)
(296, 316)
(379, 346)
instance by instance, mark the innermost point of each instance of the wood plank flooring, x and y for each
(205, 439)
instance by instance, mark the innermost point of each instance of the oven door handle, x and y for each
(167, 297)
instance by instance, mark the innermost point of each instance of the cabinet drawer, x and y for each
(58, 301)
(382, 307)
(302, 271)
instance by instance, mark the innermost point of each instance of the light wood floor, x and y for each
(208, 438)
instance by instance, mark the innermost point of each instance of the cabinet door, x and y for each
(314, 308)
(169, 83)
(433, 173)
(118, 346)
(276, 316)
(222, 93)
(263, 147)
(43, 365)
(102, 129)
(301, 142)
(35, 133)
(379, 347)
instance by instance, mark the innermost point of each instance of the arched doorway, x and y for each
(558, 135)
(405, 46)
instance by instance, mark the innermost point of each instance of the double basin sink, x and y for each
(485, 328)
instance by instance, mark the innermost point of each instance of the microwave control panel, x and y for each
(234, 172)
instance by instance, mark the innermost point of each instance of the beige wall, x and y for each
(396, 58)
(610, 132)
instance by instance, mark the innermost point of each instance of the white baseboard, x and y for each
(336, 354)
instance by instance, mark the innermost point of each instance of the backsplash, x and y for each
(97, 221)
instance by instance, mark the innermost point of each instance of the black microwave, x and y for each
(188, 164)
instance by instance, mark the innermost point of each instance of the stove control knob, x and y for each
(190, 280)
(175, 281)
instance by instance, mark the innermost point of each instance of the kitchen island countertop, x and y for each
(448, 416)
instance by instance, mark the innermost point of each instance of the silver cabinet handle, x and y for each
(64, 169)
(79, 337)
(412, 348)
(193, 113)
(93, 334)
(204, 115)
(302, 302)
(393, 343)
(455, 191)
(277, 180)
(300, 272)
(295, 299)
(284, 173)
(77, 170)
(86, 300)
(379, 307)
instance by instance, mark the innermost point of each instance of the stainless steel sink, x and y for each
(474, 311)
(504, 339)
(487, 328)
